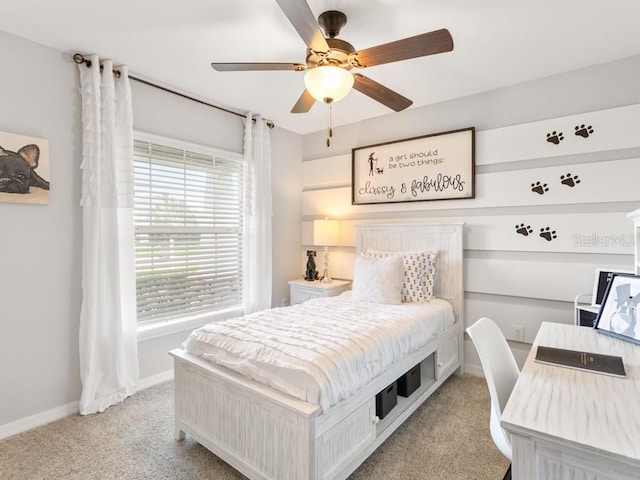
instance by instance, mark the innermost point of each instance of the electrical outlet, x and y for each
(284, 302)
(517, 333)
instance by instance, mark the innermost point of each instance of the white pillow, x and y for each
(377, 280)
(418, 276)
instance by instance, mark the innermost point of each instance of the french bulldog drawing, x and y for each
(17, 170)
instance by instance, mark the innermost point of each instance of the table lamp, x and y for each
(325, 234)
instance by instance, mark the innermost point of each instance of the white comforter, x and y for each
(324, 350)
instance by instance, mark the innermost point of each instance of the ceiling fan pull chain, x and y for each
(330, 122)
(331, 119)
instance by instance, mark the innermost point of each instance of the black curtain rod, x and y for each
(79, 58)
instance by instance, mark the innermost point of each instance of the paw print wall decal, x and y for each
(539, 188)
(583, 131)
(569, 180)
(524, 230)
(555, 137)
(548, 234)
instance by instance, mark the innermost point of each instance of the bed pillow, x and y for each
(419, 270)
(377, 280)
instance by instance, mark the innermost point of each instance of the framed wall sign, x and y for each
(433, 167)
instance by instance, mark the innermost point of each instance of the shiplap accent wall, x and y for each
(551, 206)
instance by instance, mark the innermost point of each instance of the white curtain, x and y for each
(257, 220)
(108, 344)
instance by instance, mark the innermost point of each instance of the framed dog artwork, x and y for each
(24, 169)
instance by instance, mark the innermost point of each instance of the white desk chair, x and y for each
(501, 372)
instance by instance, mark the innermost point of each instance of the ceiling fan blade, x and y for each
(244, 67)
(379, 92)
(304, 103)
(303, 20)
(438, 41)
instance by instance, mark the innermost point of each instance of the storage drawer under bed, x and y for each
(447, 355)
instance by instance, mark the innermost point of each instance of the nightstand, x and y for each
(303, 290)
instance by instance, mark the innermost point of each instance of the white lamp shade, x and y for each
(328, 83)
(325, 233)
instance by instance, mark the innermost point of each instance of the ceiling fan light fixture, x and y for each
(328, 83)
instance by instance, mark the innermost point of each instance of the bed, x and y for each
(268, 434)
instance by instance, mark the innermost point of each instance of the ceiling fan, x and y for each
(329, 60)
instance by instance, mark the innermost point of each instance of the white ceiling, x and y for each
(172, 42)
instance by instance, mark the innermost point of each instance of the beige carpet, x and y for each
(446, 439)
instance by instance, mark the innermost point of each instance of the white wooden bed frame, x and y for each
(266, 434)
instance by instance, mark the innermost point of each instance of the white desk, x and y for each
(569, 424)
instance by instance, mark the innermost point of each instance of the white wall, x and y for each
(286, 184)
(596, 88)
(40, 244)
(513, 279)
(40, 283)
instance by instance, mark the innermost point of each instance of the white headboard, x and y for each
(445, 238)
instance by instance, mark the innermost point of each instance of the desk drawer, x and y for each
(541, 460)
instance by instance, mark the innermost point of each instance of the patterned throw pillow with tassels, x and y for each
(419, 273)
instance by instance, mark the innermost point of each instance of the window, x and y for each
(188, 231)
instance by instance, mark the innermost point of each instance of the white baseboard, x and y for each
(155, 380)
(24, 424)
(475, 370)
(39, 419)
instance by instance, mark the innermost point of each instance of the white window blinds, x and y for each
(188, 219)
